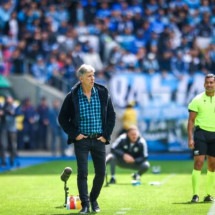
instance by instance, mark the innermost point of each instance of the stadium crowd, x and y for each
(50, 39)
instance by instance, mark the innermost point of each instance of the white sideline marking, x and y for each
(212, 209)
(159, 183)
(123, 210)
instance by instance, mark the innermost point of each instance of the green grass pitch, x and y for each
(38, 190)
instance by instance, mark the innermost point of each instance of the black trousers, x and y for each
(97, 150)
(116, 161)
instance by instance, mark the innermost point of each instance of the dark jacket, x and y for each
(70, 114)
(138, 150)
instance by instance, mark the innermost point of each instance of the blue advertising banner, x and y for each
(162, 101)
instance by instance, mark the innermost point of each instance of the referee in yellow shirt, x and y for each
(201, 137)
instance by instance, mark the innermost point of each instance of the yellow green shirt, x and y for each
(204, 106)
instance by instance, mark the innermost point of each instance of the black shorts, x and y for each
(204, 142)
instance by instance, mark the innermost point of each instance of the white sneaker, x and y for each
(135, 176)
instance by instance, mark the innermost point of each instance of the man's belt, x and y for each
(93, 136)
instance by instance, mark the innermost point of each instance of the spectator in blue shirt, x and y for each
(43, 123)
(39, 70)
(104, 10)
(29, 125)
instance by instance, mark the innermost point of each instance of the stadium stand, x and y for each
(50, 39)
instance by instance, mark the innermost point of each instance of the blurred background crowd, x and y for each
(26, 127)
(49, 39)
